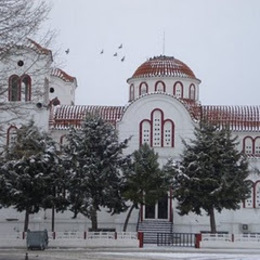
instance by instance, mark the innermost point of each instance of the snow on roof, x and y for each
(37, 47)
(28, 43)
(63, 117)
(56, 72)
(163, 66)
(237, 118)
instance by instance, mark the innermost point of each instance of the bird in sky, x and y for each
(115, 54)
(123, 59)
(102, 52)
(67, 51)
(120, 46)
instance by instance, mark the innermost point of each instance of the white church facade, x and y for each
(162, 110)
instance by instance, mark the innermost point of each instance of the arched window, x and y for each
(257, 146)
(143, 88)
(25, 88)
(160, 86)
(145, 132)
(249, 203)
(14, 88)
(11, 135)
(257, 194)
(192, 92)
(156, 131)
(19, 88)
(157, 119)
(178, 89)
(248, 145)
(131, 94)
(168, 129)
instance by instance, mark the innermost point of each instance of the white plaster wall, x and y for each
(169, 83)
(142, 108)
(37, 66)
(65, 91)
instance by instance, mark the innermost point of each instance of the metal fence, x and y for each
(176, 239)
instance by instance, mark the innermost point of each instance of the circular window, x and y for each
(51, 90)
(20, 63)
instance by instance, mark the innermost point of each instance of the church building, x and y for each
(163, 109)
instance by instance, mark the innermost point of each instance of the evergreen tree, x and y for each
(94, 161)
(25, 180)
(212, 173)
(145, 183)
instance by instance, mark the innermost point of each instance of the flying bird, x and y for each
(102, 52)
(115, 54)
(123, 59)
(67, 51)
(120, 46)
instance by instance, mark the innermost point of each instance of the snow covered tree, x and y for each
(25, 174)
(212, 174)
(94, 161)
(145, 183)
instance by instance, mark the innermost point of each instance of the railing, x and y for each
(228, 240)
(176, 239)
(217, 237)
(77, 239)
(247, 238)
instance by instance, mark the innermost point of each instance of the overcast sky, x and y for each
(218, 39)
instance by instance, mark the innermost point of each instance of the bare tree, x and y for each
(20, 22)
(20, 19)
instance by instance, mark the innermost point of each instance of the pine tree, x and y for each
(94, 161)
(212, 173)
(25, 180)
(145, 183)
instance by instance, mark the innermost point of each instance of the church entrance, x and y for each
(158, 210)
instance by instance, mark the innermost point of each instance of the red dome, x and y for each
(163, 66)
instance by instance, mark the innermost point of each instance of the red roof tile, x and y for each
(62, 117)
(163, 66)
(56, 72)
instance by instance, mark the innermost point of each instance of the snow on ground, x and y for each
(147, 253)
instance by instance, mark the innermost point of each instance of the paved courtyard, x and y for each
(153, 253)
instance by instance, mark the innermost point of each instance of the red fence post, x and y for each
(115, 235)
(85, 234)
(198, 239)
(141, 239)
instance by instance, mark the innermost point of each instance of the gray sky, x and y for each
(218, 39)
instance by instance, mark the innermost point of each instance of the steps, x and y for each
(150, 228)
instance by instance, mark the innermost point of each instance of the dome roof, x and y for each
(163, 66)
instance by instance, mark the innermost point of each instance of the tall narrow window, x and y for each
(249, 201)
(248, 145)
(145, 129)
(178, 90)
(131, 96)
(11, 135)
(160, 86)
(257, 146)
(168, 130)
(14, 88)
(157, 128)
(192, 92)
(143, 88)
(25, 88)
(257, 194)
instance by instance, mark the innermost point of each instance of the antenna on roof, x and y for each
(163, 42)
